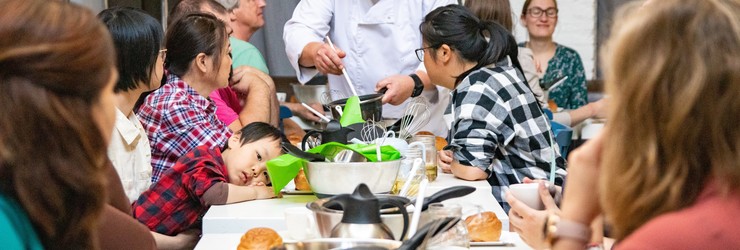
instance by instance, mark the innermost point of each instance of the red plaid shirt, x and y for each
(175, 203)
(177, 119)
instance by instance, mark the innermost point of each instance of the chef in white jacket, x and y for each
(375, 42)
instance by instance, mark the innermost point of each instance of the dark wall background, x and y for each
(605, 18)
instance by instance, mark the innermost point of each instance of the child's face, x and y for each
(246, 163)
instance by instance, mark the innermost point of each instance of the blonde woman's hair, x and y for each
(674, 117)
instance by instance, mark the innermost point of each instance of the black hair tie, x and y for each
(482, 25)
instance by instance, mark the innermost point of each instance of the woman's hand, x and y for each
(581, 198)
(444, 161)
(529, 222)
(556, 192)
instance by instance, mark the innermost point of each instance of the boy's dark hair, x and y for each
(259, 130)
(137, 38)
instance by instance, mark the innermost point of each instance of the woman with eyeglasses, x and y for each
(498, 132)
(554, 60)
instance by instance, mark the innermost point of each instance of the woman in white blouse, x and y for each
(138, 39)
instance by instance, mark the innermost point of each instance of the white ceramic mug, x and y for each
(281, 96)
(528, 194)
(301, 223)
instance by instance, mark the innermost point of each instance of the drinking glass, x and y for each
(429, 142)
(457, 236)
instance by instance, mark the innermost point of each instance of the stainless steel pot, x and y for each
(333, 178)
(371, 105)
(327, 219)
(342, 243)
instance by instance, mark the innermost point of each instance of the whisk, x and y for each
(414, 118)
(374, 132)
(330, 96)
(371, 131)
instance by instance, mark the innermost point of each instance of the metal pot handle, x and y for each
(401, 207)
(308, 135)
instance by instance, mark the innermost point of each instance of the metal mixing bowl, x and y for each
(309, 93)
(333, 178)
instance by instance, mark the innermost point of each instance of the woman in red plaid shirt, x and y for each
(179, 116)
(209, 176)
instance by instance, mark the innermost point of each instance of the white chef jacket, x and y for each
(379, 40)
(131, 155)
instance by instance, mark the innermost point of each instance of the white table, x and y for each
(224, 225)
(230, 241)
(240, 217)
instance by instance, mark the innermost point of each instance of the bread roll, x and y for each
(295, 140)
(260, 238)
(440, 143)
(483, 227)
(424, 133)
(301, 183)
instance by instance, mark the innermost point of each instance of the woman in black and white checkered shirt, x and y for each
(497, 130)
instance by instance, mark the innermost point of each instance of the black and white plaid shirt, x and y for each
(497, 125)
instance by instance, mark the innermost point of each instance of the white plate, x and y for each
(502, 241)
(289, 189)
(296, 192)
(488, 243)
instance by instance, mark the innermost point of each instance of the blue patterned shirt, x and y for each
(572, 93)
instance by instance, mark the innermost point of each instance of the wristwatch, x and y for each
(556, 228)
(418, 85)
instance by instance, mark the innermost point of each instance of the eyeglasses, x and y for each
(162, 53)
(537, 12)
(420, 53)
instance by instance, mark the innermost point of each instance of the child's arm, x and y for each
(245, 193)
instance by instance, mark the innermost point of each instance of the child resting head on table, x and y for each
(210, 176)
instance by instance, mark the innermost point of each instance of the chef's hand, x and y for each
(528, 222)
(399, 88)
(444, 159)
(324, 58)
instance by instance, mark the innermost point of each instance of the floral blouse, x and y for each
(572, 93)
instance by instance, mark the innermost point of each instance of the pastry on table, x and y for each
(439, 143)
(260, 238)
(301, 183)
(483, 227)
